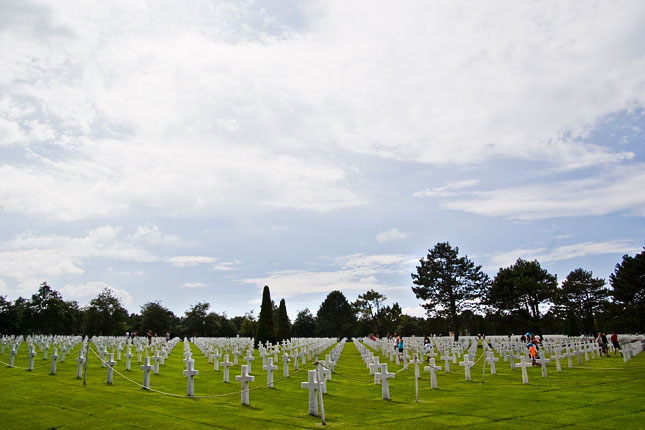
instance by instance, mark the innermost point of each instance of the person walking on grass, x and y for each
(533, 353)
(614, 341)
(601, 346)
(605, 343)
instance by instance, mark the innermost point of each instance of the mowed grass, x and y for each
(602, 393)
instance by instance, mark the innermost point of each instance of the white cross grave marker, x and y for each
(491, 359)
(558, 356)
(467, 364)
(54, 358)
(312, 386)
(79, 364)
(543, 362)
(384, 377)
(110, 364)
(156, 358)
(249, 359)
(524, 364)
(190, 373)
(244, 380)
(32, 354)
(146, 373)
(226, 364)
(285, 364)
(215, 356)
(270, 367)
(12, 355)
(446, 361)
(128, 359)
(433, 377)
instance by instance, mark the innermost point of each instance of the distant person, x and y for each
(399, 344)
(427, 346)
(533, 353)
(605, 343)
(614, 341)
(601, 345)
(167, 336)
(149, 335)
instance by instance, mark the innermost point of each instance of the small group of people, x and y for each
(533, 346)
(534, 341)
(149, 335)
(603, 343)
(398, 343)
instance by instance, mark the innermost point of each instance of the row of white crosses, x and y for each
(244, 378)
(158, 347)
(316, 379)
(66, 343)
(378, 369)
(449, 351)
(558, 347)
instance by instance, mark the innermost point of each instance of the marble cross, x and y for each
(244, 380)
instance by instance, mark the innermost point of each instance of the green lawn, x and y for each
(602, 393)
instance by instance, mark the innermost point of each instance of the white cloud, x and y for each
(566, 252)
(83, 293)
(391, 234)
(414, 311)
(190, 260)
(616, 191)
(221, 114)
(446, 190)
(355, 273)
(150, 234)
(193, 285)
(30, 257)
(225, 266)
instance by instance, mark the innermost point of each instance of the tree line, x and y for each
(457, 296)
(525, 297)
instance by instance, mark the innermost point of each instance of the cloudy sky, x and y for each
(199, 150)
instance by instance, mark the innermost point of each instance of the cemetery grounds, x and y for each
(603, 392)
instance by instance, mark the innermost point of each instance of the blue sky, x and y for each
(199, 150)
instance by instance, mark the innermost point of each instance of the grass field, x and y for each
(602, 393)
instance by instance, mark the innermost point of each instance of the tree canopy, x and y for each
(304, 324)
(628, 283)
(523, 286)
(523, 296)
(581, 298)
(106, 315)
(449, 284)
(336, 316)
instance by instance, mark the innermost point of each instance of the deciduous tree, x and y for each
(105, 315)
(335, 316)
(304, 325)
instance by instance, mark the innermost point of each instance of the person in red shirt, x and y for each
(614, 341)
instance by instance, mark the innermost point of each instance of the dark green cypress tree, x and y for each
(265, 331)
(283, 331)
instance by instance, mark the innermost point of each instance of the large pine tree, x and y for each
(448, 284)
(265, 331)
